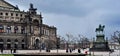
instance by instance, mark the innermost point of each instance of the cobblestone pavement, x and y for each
(116, 53)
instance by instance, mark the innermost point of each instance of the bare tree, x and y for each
(62, 42)
(83, 41)
(116, 37)
(69, 36)
(72, 41)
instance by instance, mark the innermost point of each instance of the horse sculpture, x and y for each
(101, 28)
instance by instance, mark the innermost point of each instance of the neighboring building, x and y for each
(24, 30)
(114, 45)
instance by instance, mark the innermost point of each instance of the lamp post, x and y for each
(93, 43)
(68, 41)
(57, 45)
(40, 45)
(119, 49)
(90, 46)
(48, 50)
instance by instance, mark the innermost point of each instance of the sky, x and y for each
(76, 16)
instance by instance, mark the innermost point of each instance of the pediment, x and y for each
(6, 4)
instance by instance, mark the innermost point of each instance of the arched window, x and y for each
(16, 40)
(15, 29)
(1, 13)
(16, 44)
(36, 22)
(8, 40)
(1, 28)
(23, 40)
(1, 40)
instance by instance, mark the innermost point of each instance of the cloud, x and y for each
(77, 16)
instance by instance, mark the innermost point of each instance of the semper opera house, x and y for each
(24, 30)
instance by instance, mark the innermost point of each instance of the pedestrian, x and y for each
(1, 50)
(70, 50)
(66, 50)
(14, 50)
(79, 51)
(11, 50)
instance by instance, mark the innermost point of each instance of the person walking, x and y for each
(66, 50)
(70, 50)
(14, 50)
(11, 50)
(1, 50)
(79, 51)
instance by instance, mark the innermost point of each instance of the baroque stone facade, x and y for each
(24, 30)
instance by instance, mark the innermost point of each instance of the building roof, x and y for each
(52, 27)
(5, 4)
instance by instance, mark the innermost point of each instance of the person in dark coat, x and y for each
(70, 50)
(11, 50)
(66, 50)
(1, 50)
(14, 50)
(79, 51)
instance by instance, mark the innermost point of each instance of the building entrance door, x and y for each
(15, 46)
(8, 46)
(23, 46)
(37, 43)
(43, 46)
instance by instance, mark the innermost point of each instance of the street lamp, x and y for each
(93, 43)
(68, 42)
(57, 44)
(119, 50)
(40, 45)
(49, 44)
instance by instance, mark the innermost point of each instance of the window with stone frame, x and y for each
(16, 14)
(1, 40)
(1, 29)
(6, 14)
(12, 18)
(1, 17)
(15, 29)
(15, 40)
(7, 18)
(21, 15)
(36, 22)
(1, 13)
(11, 14)
(23, 40)
(8, 40)
(8, 29)
(22, 29)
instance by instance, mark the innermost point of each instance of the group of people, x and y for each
(70, 50)
(11, 50)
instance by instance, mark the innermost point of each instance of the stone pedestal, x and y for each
(100, 46)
